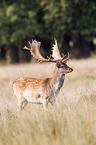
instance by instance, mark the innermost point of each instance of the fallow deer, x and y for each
(42, 91)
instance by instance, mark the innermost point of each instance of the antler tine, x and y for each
(65, 59)
(31, 48)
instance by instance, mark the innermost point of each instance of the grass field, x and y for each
(72, 121)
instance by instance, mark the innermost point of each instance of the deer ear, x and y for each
(58, 64)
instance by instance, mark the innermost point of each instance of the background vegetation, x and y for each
(73, 23)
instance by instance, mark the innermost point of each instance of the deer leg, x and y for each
(52, 101)
(25, 102)
(22, 103)
(45, 103)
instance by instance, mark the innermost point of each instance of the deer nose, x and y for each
(71, 69)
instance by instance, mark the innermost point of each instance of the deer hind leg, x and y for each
(22, 102)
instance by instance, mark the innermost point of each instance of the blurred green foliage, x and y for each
(46, 19)
(17, 21)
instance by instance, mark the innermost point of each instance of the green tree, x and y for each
(18, 23)
(43, 20)
(71, 20)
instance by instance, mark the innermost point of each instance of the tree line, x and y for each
(73, 23)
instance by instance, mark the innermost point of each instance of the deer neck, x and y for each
(57, 80)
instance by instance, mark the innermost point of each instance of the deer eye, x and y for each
(62, 66)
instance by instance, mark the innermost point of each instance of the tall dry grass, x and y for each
(72, 121)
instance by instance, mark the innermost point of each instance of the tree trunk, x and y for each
(65, 44)
(2, 53)
(24, 55)
(82, 47)
(12, 54)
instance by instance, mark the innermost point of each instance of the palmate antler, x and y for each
(35, 52)
(56, 53)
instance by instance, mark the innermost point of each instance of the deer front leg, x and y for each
(52, 102)
(53, 98)
(45, 103)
